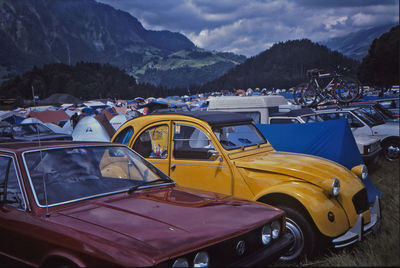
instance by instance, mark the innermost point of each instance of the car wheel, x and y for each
(391, 149)
(305, 237)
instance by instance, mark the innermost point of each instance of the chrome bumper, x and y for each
(359, 230)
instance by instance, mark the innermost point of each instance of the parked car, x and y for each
(224, 152)
(30, 132)
(363, 123)
(368, 146)
(392, 104)
(379, 112)
(71, 204)
(258, 108)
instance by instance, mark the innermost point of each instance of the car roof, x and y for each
(295, 112)
(345, 109)
(26, 146)
(212, 117)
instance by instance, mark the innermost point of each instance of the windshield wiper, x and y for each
(134, 188)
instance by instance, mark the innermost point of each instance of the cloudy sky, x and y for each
(248, 27)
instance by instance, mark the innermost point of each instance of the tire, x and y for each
(391, 149)
(303, 231)
(309, 94)
(347, 91)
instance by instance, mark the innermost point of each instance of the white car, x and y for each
(364, 124)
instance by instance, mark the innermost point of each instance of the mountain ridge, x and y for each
(356, 44)
(38, 32)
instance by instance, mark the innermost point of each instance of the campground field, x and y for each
(382, 248)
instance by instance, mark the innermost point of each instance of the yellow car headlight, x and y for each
(361, 171)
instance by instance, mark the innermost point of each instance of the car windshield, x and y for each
(312, 118)
(238, 136)
(386, 114)
(368, 118)
(68, 174)
(30, 129)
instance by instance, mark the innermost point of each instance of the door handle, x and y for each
(173, 166)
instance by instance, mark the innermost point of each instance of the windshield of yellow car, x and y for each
(238, 136)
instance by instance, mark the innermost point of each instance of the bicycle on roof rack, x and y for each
(325, 88)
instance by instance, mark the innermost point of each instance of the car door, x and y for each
(195, 160)
(153, 144)
(14, 218)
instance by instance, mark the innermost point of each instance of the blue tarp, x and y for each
(376, 97)
(14, 119)
(331, 139)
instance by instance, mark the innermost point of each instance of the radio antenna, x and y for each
(41, 160)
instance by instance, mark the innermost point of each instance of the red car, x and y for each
(79, 204)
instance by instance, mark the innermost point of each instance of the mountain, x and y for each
(355, 45)
(38, 32)
(284, 65)
(381, 66)
(188, 67)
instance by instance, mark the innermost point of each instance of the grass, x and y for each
(383, 247)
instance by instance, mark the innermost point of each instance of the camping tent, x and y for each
(90, 129)
(117, 121)
(50, 116)
(12, 117)
(31, 120)
(330, 139)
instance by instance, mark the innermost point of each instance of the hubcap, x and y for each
(392, 152)
(298, 241)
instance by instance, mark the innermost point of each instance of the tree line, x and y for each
(84, 80)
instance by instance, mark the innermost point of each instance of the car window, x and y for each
(351, 119)
(256, 116)
(124, 136)
(191, 143)
(238, 136)
(283, 121)
(153, 142)
(69, 174)
(10, 191)
(5, 131)
(312, 118)
(329, 116)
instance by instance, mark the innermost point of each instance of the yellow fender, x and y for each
(315, 202)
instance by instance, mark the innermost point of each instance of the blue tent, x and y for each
(330, 139)
(14, 119)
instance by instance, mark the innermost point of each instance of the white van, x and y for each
(258, 108)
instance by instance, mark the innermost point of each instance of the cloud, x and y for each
(250, 26)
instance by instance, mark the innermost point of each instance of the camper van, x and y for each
(258, 108)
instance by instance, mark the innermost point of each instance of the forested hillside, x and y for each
(284, 65)
(82, 80)
(381, 66)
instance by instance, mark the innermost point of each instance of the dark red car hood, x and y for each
(164, 222)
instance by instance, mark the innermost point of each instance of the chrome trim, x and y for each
(160, 163)
(248, 150)
(88, 197)
(358, 231)
(19, 176)
(198, 165)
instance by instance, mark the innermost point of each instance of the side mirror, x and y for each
(212, 154)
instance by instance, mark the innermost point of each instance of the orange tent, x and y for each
(49, 116)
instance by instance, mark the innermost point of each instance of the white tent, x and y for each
(117, 121)
(58, 129)
(31, 120)
(89, 129)
(67, 127)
